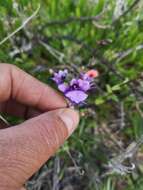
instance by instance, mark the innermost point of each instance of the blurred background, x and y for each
(105, 152)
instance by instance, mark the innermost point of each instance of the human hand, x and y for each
(25, 147)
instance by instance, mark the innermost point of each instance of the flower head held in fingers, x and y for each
(76, 90)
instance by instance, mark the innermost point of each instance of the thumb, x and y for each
(25, 147)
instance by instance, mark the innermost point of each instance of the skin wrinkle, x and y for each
(5, 184)
(40, 97)
(48, 135)
(37, 130)
(11, 77)
(16, 92)
(13, 179)
(61, 130)
(19, 171)
(17, 151)
(12, 167)
(14, 164)
(35, 92)
(6, 89)
(39, 149)
(6, 187)
(32, 150)
(53, 132)
(56, 132)
(4, 145)
(10, 86)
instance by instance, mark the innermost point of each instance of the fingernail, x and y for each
(71, 119)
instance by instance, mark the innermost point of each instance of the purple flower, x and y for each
(60, 76)
(76, 89)
(80, 84)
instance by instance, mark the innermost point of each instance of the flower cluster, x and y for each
(75, 89)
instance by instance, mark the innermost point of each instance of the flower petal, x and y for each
(84, 85)
(92, 73)
(76, 96)
(73, 81)
(63, 87)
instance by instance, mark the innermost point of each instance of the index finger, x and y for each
(22, 87)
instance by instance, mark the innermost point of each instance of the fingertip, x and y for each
(70, 117)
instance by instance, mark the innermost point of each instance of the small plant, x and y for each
(75, 89)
